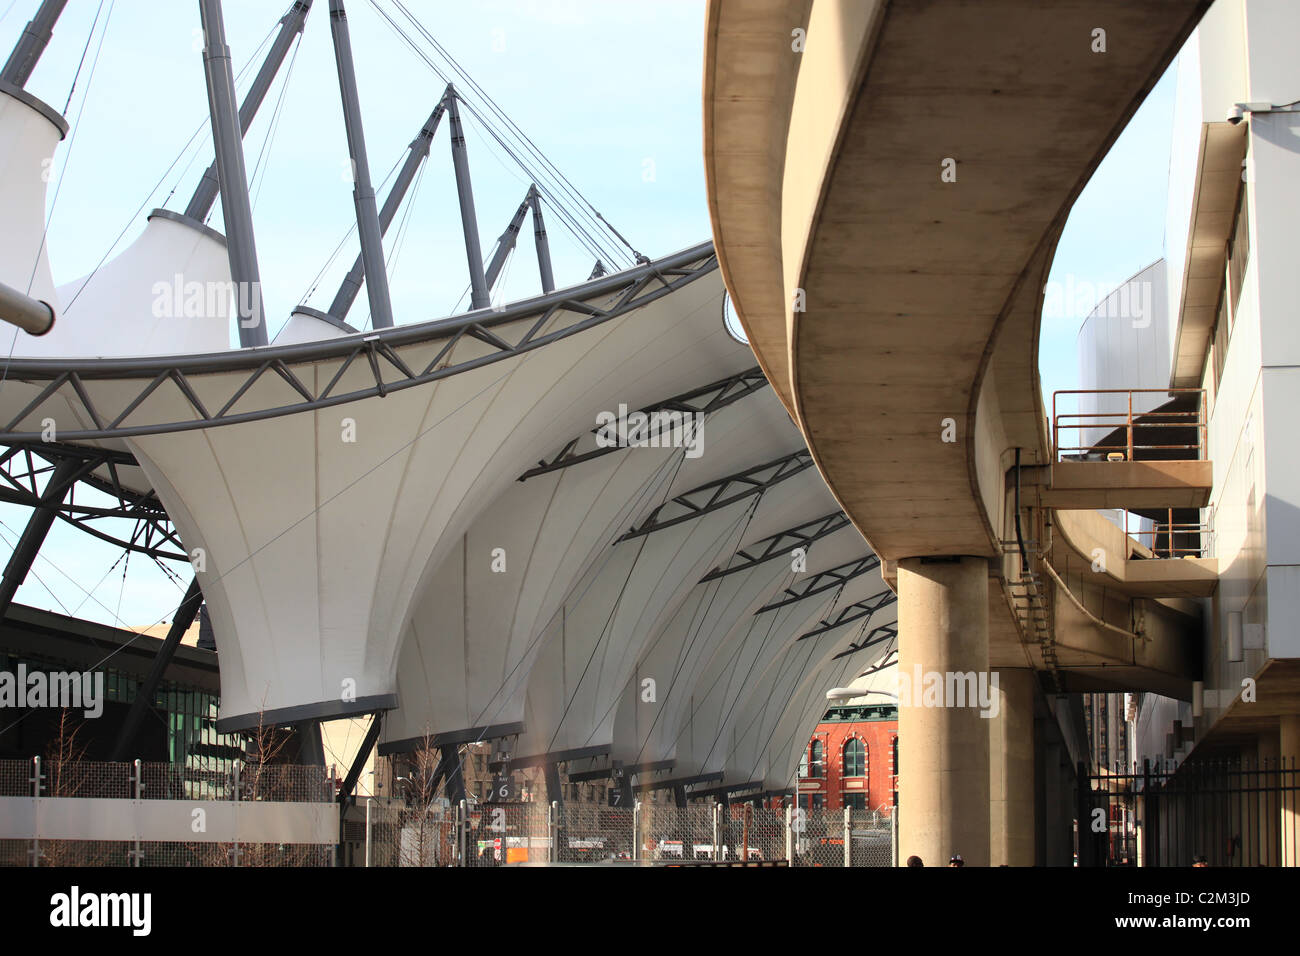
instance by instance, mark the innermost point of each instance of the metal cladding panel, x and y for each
(27, 142)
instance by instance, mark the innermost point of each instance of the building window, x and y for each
(854, 801)
(817, 766)
(803, 763)
(855, 758)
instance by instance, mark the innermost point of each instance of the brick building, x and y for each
(851, 759)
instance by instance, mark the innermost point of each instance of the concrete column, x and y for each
(1012, 826)
(943, 748)
(1289, 747)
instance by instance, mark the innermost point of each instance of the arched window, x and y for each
(855, 758)
(817, 765)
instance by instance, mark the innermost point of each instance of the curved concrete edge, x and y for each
(756, 41)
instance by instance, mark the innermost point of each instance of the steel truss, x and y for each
(21, 466)
(824, 581)
(699, 401)
(567, 313)
(781, 543)
(853, 612)
(886, 632)
(725, 491)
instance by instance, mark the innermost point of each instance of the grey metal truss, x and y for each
(781, 543)
(690, 505)
(569, 312)
(886, 632)
(853, 612)
(699, 401)
(823, 581)
(23, 466)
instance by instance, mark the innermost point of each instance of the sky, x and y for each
(610, 92)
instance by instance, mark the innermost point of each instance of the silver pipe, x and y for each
(543, 246)
(36, 36)
(235, 207)
(363, 193)
(30, 315)
(291, 24)
(507, 240)
(418, 151)
(478, 297)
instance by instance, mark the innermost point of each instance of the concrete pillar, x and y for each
(943, 748)
(1289, 747)
(1012, 826)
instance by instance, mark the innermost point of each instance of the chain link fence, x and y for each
(387, 833)
(94, 781)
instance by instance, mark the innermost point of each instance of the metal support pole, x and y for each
(363, 193)
(30, 46)
(717, 847)
(462, 830)
(417, 152)
(636, 830)
(455, 786)
(848, 838)
(31, 315)
(507, 241)
(554, 826)
(311, 748)
(235, 207)
(554, 788)
(144, 695)
(33, 536)
(234, 849)
(291, 24)
(478, 296)
(369, 801)
(36, 792)
(138, 788)
(359, 762)
(789, 835)
(543, 246)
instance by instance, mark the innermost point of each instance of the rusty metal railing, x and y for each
(1073, 423)
(1181, 539)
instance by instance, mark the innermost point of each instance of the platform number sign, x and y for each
(504, 789)
(617, 793)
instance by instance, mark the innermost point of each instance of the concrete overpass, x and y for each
(888, 182)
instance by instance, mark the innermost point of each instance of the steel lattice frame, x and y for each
(773, 546)
(823, 581)
(699, 401)
(22, 465)
(853, 612)
(378, 351)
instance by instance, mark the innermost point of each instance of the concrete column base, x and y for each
(1012, 823)
(943, 740)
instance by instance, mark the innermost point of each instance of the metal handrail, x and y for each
(1064, 421)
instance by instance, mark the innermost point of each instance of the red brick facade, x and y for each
(849, 739)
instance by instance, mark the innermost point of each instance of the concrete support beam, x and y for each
(1012, 823)
(943, 750)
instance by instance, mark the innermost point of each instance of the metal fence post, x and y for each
(462, 829)
(848, 837)
(636, 830)
(138, 782)
(234, 853)
(369, 802)
(717, 816)
(36, 792)
(789, 835)
(893, 836)
(554, 814)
